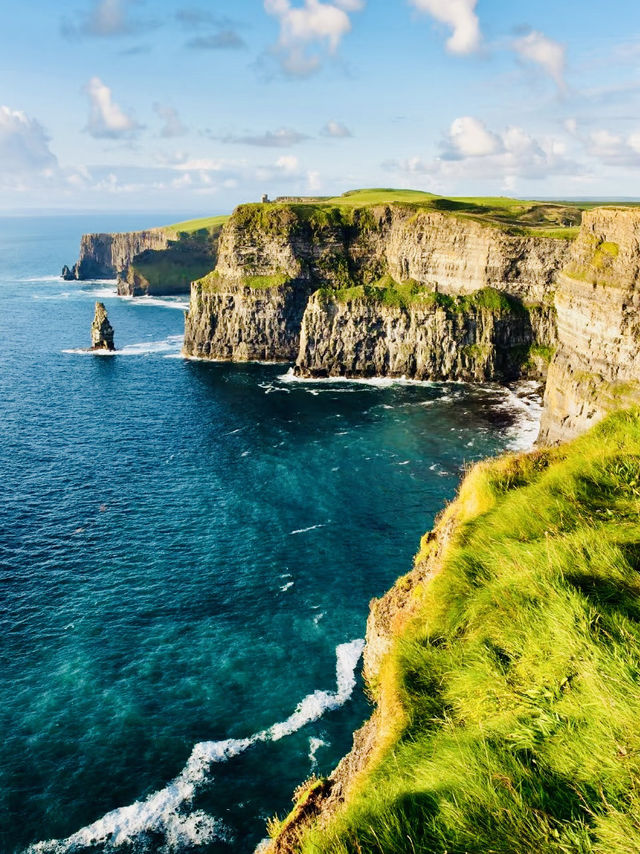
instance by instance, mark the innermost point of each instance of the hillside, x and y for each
(505, 672)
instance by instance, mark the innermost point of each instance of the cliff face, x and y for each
(103, 256)
(481, 339)
(156, 262)
(241, 323)
(597, 365)
(276, 257)
(188, 256)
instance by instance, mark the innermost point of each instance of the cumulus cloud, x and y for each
(460, 16)
(308, 30)
(107, 120)
(550, 55)
(613, 149)
(336, 129)
(471, 151)
(24, 144)
(172, 126)
(282, 138)
(469, 137)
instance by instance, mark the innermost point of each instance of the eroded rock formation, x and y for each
(101, 330)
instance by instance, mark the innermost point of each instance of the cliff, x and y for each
(597, 365)
(292, 276)
(482, 337)
(503, 670)
(160, 261)
(186, 257)
(104, 256)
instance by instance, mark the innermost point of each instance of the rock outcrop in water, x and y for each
(101, 330)
(375, 291)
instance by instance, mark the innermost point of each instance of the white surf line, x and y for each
(306, 530)
(162, 811)
(378, 382)
(143, 348)
(526, 400)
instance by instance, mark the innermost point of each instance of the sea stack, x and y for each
(101, 330)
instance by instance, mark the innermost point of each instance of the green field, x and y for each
(510, 700)
(191, 225)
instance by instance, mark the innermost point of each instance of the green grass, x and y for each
(213, 282)
(554, 220)
(386, 291)
(191, 225)
(510, 700)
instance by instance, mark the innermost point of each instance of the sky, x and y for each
(198, 105)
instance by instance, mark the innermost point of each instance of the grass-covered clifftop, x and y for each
(509, 697)
(514, 216)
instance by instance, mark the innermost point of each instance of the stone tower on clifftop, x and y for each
(101, 330)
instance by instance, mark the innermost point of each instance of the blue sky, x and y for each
(196, 106)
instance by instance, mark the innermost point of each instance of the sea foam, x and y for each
(170, 344)
(166, 813)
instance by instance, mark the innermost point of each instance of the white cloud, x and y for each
(336, 129)
(172, 124)
(548, 54)
(472, 152)
(106, 118)
(289, 164)
(469, 137)
(571, 126)
(613, 149)
(460, 16)
(24, 144)
(308, 29)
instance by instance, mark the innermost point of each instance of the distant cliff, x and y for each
(161, 261)
(390, 283)
(104, 256)
(597, 365)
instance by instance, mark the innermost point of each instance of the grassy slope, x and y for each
(512, 698)
(191, 225)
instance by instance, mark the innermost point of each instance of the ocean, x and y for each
(187, 555)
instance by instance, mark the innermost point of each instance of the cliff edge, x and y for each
(504, 672)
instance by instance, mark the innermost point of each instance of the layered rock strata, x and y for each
(259, 303)
(104, 256)
(472, 339)
(596, 368)
(157, 262)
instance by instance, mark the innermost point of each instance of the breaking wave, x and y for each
(165, 813)
(169, 345)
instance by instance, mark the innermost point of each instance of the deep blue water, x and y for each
(185, 549)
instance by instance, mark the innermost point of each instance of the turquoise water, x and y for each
(187, 554)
